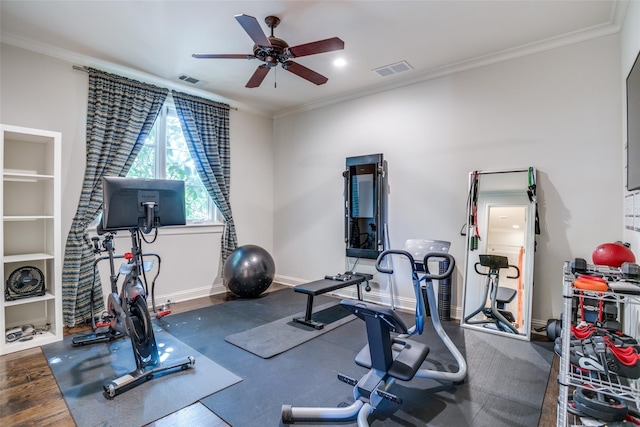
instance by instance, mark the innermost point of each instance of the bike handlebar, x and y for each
(475, 266)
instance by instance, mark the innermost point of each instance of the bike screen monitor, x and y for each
(144, 204)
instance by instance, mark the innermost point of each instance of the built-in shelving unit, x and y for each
(31, 232)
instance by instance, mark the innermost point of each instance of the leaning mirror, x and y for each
(500, 235)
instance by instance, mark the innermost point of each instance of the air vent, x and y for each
(389, 70)
(191, 80)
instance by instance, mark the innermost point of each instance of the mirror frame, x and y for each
(375, 164)
(503, 194)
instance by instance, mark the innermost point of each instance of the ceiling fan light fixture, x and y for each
(273, 51)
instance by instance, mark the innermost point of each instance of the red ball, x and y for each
(612, 254)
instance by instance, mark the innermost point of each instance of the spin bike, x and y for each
(102, 332)
(496, 315)
(389, 358)
(128, 315)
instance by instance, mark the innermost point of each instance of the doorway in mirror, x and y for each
(502, 212)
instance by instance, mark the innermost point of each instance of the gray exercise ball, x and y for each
(248, 271)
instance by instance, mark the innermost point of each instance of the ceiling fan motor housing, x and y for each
(274, 54)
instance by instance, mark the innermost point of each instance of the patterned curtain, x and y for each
(120, 115)
(205, 125)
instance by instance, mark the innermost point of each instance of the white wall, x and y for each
(43, 92)
(558, 111)
(630, 46)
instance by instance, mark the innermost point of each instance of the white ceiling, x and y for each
(155, 40)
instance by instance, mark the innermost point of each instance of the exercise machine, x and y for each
(426, 306)
(388, 358)
(127, 310)
(102, 332)
(496, 315)
(128, 315)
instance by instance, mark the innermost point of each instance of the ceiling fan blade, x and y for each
(252, 27)
(222, 56)
(258, 76)
(304, 72)
(319, 46)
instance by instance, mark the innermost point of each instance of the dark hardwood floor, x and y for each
(29, 394)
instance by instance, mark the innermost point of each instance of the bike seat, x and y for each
(494, 262)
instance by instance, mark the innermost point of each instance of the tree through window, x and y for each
(165, 155)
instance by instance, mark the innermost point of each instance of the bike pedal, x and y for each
(348, 380)
(390, 397)
(163, 313)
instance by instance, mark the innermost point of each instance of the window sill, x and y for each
(200, 228)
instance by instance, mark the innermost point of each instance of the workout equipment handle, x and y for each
(428, 275)
(447, 273)
(385, 270)
(475, 266)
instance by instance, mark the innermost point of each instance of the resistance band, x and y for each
(473, 214)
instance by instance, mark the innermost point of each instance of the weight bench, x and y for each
(329, 284)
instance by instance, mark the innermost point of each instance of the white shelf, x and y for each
(38, 340)
(26, 217)
(27, 257)
(29, 300)
(30, 205)
(25, 176)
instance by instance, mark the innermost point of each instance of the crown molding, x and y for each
(613, 26)
(110, 67)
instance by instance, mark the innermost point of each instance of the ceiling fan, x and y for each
(273, 51)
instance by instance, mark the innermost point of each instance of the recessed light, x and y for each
(339, 62)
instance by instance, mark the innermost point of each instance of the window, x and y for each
(165, 156)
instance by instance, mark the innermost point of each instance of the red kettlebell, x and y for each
(612, 254)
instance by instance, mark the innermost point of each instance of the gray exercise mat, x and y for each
(505, 385)
(283, 334)
(82, 371)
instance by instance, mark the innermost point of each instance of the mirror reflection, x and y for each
(499, 259)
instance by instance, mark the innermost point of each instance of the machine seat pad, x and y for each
(406, 361)
(505, 295)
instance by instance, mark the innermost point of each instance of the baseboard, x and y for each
(401, 303)
(190, 294)
(289, 281)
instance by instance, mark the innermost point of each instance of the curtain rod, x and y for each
(502, 171)
(86, 70)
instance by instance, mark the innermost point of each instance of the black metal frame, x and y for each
(379, 218)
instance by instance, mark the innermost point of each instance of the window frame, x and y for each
(160, 163)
